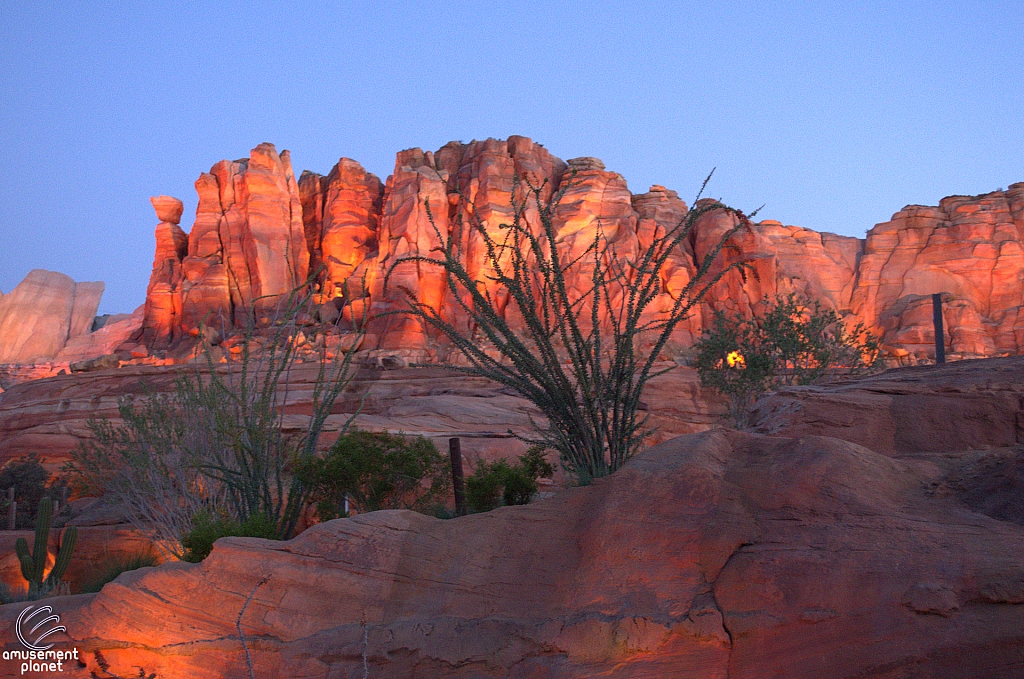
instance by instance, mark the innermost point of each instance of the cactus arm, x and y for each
(42, 538)
(21, 549)
(67, 546)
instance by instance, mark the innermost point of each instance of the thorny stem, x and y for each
(588, 386)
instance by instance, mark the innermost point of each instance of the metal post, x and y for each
(455, 452)
(940, 334)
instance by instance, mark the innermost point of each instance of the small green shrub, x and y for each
(499, 483)
(207, 529)
(375, 470)
(789, 343)
(31, 484)
(114, 566)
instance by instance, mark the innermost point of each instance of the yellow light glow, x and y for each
(735, 359)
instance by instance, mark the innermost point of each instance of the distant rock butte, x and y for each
(44, 312)
(258, 232)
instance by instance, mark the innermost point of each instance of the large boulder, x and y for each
(712, 555)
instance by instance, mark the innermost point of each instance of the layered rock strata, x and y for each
(966, 405)
(49, 417)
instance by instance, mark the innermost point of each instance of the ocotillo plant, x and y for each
(33, 565)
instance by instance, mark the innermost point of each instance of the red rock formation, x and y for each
(163, 316)
(660, 211)
(247, 247)
(42, 313)
(968, 247)
(247, 242)
(342, 224)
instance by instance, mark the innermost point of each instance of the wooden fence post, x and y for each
(455, 452)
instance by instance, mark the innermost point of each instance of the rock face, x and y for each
(246, 248)
(967, 405)
(711, 555)
(258, 233)
(48, 416)
(341, 216)
(104, 341)
(42, 313)
(969, 247)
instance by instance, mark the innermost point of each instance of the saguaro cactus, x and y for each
(33, 565)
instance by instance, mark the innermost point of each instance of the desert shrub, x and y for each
(112, 567)
(581, 353)
(375, 470)
(13, 596)
(494, 484)
(215, 445)
(31, 484)
(146, 465)
(208, 528)
(790, 342)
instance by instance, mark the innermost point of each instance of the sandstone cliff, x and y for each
(42, 313)
(258, 233)
(246, 248)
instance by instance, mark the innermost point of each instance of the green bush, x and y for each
(114, 566)
(207, 529)
(217, 444)
(31, 484)
(790, 343)
(375, 470)
(499, 483)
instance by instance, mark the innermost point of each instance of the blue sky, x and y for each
(832, 115)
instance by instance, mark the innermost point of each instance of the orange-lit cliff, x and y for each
(258, 232)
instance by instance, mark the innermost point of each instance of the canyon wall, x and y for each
(258, 233)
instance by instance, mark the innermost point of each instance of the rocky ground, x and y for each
(716, 554)
(49, 416)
